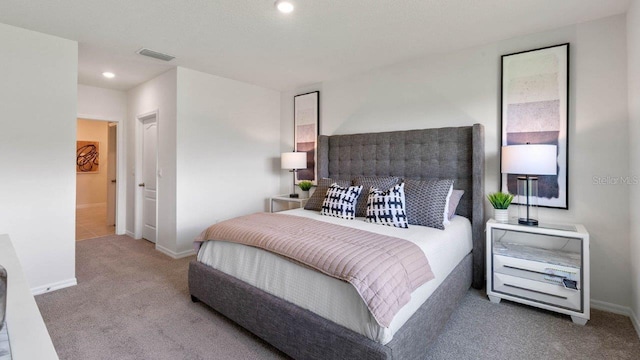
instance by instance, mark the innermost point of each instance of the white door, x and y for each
(149, 178)
(111, 173)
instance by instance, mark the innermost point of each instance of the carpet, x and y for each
(132, 302)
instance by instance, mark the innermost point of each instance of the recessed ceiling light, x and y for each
(108, 75)
(284, 6)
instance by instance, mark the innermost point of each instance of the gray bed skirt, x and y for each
(304, 335)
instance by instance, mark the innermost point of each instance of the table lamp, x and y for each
(293, 161)
(528, 161)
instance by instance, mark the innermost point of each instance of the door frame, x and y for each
(121, 170)
(139, 201)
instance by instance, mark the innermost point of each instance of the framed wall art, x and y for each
(87, 157)
(535, 110)
(306, 109)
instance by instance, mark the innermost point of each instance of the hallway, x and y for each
(91, 222)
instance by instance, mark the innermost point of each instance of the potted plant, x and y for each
(305, 185)
(500, 202)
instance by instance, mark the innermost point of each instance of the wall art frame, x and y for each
(306, 128)
(534, 102)
(87, 157)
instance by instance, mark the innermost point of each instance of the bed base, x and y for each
(303, 335)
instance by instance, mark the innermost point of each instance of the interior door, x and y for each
(149, 178)
(111, 173)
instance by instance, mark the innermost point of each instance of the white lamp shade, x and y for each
(293, 160)
(530, 159)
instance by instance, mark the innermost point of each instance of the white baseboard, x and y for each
(636, 322)
(86, 206)
(130, 234)
(618, 309)
(54, 286)
(609, 307)
(175, 255)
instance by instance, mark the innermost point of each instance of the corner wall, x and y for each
(463, 87)
(633, 62)
(37, 152)
(228, 151)
(157, 94)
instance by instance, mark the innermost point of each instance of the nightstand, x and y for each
(545, 266)
(300, 202)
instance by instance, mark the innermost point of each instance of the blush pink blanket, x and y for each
(384, 270)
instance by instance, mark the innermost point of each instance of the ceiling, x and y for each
(250, 41)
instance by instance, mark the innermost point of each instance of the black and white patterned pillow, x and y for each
(387, 207)
(427, 201)
(341, 201)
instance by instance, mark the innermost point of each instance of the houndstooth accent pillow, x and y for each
(427, 201)
(367, 182)
(341, 202)
(387, 207)
(317, 198)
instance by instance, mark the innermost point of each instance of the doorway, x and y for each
(147, 178)
(96, 164)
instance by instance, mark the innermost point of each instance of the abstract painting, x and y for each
(87, 157)
(535, 110)
(306, 108)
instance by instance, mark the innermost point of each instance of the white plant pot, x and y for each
(501, 215)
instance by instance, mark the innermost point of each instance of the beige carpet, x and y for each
(132, 302)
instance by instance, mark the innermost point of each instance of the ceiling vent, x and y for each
(155, 54)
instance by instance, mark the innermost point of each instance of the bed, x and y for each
(445, 153)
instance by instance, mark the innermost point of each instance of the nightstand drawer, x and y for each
(535, 270)
(554, 294)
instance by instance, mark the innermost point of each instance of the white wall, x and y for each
(462, 88)
(109, 105)
(228, 151)
(38, 96)
(91, 187)
(158, 94)
(101, 104)
(633, 62)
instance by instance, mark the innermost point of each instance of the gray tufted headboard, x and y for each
(445, 153)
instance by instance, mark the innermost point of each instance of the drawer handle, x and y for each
(535, 291)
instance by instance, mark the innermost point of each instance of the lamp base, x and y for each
(294, 195)
(528, 222)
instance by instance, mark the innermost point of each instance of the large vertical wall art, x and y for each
(535, 110)
(306, 108)
(87, 156)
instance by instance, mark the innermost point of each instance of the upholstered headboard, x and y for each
(446, 153)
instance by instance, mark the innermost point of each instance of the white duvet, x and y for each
(334, 299)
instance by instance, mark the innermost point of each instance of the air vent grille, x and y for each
(155, 54)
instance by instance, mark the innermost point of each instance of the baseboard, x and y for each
(86, 206)
(54, 286)
(173, 254)
(130, 234)
(617, 309)
(636, 323)
(609, 307)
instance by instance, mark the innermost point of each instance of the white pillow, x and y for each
(387, 207)
(340, 201)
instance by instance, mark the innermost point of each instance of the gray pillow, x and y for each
(315, 201)
(378, 182)
(454, 200)
(426, 201)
